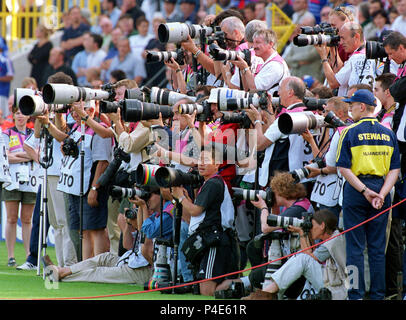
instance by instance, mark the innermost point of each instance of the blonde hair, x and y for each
(28, 82)
(47, 31)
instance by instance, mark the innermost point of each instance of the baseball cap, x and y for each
(171, 1)
(364, 96)
(308, 80)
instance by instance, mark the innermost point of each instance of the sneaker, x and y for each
(12, 262)
(26, 266)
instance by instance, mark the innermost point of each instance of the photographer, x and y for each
(151, 227)
(97, 155)
(212, 217)
(323, 267)
(395, 47)
(326, 189)
(282, 152)
(357, 69)
(274, 69)
(234, 80)
(131, 267)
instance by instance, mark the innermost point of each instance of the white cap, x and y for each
(213, 96)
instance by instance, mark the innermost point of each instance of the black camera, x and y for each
(313, 104)
(375, 50)
(119, 192)
(235, 291)
(220, 54)
(169, 177)
(154, 56)
(119, 156)
(218, 36)
(110, 106)
(131, 213)
(323, 27)
(70, 148)
(236, 117)
(323, 33)
(333, 120)
(135, 110)
(302, 173)
(283, 222)
(252, 195)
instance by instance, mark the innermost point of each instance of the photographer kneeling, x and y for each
(292, 198)
(211, 223)
(311, 263)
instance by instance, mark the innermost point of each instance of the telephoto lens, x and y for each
(21, 92)
(302, 40)
(119, 192)
(283, 222)
(145, 175)
(167, 97)
(220, 54)
(60, 93)
(135, 110)
(189, 108)
(176, 32)
(333, 120)
(169, 177)
(252, 195)
(298, 122)
(302, 173)
(32, 105)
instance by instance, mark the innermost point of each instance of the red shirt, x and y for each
(226, 134)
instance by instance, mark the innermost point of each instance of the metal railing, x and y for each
(18, 22)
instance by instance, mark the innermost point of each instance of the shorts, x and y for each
(220, 260)
(20, 196)
(93, 218)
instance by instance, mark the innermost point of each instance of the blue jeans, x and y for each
(33, 256)
(183, 265)
(357, 209)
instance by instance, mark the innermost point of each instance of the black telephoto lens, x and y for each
(135, 110)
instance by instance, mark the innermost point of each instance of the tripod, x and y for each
(45, 163)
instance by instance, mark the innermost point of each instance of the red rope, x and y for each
(231, 273)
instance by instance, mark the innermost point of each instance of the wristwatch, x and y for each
(181, 199)
(85, 118)
(94, 188)
(244, 71)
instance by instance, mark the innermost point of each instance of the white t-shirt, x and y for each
(399, 25)
(256, 62)
(271, 73)
(356, 70)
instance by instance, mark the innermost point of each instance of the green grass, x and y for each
(17, 285)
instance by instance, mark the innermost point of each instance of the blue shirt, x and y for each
(80, 61)
(129, 65)
(368, 148)
(6, 69)
(71, 33)
(151, 227)
(315, 7)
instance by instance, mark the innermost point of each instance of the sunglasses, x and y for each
(339, 9)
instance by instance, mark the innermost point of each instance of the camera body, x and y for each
(131, 213)
(70, 147)
(218, 36)
(237, 117)
(283, 222)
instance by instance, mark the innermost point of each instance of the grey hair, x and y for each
(268, 35)
(252, 27)
(234, 23)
